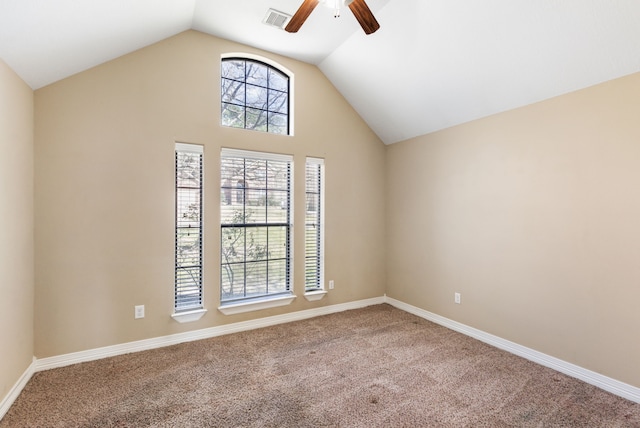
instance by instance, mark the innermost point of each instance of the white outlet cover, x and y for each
(139, 311)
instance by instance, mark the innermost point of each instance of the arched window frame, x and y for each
(270, 64)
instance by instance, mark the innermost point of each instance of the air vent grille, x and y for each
(276, 18)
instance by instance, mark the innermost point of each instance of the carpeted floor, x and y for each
(372, 367)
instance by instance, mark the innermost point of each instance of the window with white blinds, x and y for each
(256, 223)
(188, 211)
(314, 225)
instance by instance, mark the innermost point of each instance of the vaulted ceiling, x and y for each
(433, 63)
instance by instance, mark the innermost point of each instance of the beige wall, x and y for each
(16, 218)
(533, 215)
(105, 191)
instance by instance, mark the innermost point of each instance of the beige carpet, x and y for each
(372, 367)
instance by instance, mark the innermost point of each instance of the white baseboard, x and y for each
(603, 382)
(608, 384)
(8, 400)
(158, 342)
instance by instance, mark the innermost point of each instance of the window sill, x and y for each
(314, 295)
(189, 316)
(256, 305)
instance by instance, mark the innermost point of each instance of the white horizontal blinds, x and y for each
(255, 220)
(188, 263)
(313, 234)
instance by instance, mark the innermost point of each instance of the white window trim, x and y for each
(265, 302)
(191, 148)
(249, 154)
(191, 315)
(256, 305)
(317, 294)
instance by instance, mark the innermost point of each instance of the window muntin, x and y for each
(314, 225)
(188, 227)
(255, 96)
(255, 221)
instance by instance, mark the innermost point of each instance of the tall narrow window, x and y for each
(188, 264)
(255, 96)
(255, 215)
(314, 225)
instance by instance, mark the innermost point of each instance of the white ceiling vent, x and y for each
(276, 18)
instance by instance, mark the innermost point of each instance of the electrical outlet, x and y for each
(138, 311)
(331, 285)
(456, 298)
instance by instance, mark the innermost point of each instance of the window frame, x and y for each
(277, 298)
(314, 247)
(188, 312)
(270, 65)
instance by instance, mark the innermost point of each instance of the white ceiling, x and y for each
(433, 63)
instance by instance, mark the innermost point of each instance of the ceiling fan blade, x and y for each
(301, 15)
(364, 16)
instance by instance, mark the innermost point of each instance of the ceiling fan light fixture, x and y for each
(335, 5)
(359, 9)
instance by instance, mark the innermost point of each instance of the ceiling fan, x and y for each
(358, 7)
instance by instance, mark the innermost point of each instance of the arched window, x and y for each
(255, 95)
